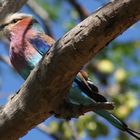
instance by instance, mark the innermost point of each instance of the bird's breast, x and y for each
(24, 58)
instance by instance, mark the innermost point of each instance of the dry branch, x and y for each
(83, 13)
(5, 60)
(10, 6)
(42, 14)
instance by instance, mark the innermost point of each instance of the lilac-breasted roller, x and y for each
(28, 44)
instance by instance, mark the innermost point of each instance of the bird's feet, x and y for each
(68, 110)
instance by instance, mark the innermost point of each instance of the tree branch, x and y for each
(10, 6)
(46, 130)
(74, 130)
(42, 14)
(5, 59)
(83, 13)
(46, 87)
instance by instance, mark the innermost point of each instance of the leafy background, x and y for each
(115, 71)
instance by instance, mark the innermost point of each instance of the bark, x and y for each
(45, 89)
(10, 6)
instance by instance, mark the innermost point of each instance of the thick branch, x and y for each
(46, 87)
(10, 6)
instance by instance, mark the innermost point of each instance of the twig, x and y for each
(46, 130)
(74, 130)
(5, 60)
(83, 13)
(42, 14)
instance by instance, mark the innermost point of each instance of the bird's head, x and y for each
(14, 23)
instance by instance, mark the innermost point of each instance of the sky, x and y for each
(12, 81)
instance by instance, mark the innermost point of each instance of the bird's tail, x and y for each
(118, 123)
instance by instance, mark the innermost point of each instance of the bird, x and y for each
(29, 43)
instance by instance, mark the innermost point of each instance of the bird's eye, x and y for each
(15, 20)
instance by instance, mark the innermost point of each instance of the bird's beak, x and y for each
(2, 26)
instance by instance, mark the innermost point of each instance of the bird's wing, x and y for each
(88, 87)
(42, 43)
